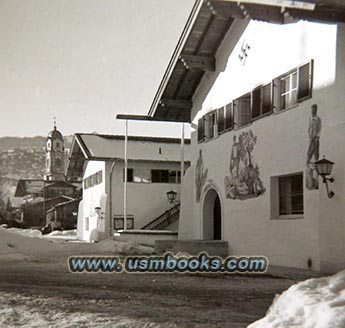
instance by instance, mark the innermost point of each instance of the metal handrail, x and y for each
(164, 219)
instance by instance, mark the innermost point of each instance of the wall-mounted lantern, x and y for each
(172, 196)
(324, 169)
(98, 210)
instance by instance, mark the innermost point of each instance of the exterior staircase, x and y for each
(164, 220)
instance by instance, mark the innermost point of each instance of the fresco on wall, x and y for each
(200, 176)
(244, 179)
(314, 131)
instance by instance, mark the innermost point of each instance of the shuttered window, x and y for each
(201, 129)
(256, 102)
(293, 87)
(267, 104)
(242, 110)
(212, 125)
(305, 73)
(221, 119)
(229, 117)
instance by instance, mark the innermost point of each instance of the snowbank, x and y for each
(314, 303)
(26, 232)
(72, 233)
(18, 244)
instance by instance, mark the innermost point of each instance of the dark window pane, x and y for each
(256, 102)
(160, 176)
(211, 125)
(229, 117)
(129, 175)
(172, 176)
(221, 119)
(267, 98)
(201, 128)
(291, 194)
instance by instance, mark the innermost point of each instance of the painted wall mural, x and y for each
(314, 132)
(200, 176)
(244, 179)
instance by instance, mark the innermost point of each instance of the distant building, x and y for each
(154, 168)
(63, 215)
(39, 195)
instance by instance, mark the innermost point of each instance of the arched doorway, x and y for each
(212, 216)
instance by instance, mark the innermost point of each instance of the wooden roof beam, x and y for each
(176, 103)
(202, 63)
(324, 14)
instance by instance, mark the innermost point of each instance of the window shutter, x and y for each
(305, 76)
(221, 119)
(206, 126)
(276, 96)
(245, 110)
(229, 116)
(242, 110)
(267, 104)
(201, 129)
(235, 110)
(256, 102)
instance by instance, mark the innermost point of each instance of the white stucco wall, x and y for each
(282, 143)
(145, 201)
(92, 197)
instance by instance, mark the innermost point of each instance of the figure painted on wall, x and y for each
(314, 131)
(200, 176)
(244, 179)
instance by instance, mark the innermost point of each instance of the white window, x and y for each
(288, 90)
(293, 87)
(287, 196)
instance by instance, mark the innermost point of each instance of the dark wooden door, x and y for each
(217, 220)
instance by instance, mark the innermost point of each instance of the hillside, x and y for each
(21, 158)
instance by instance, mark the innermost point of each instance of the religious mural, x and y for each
(200, 176)
(314, 131)
(244, 179)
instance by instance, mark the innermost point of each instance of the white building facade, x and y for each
(268, 209)
(254, 141)
(154, 166)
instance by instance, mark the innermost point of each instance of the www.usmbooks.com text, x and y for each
(168, 263)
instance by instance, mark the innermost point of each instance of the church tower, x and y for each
(55, 156)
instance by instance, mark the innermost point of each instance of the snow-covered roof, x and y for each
(86, 146)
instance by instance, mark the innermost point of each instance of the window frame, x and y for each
(274, 105)
(276, 198)
(212, 115)
(130, 173)
(120, 218)
(237, 110)
(177, 174)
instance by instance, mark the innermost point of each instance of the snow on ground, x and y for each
(72, 233)
(314, 303)
(18, 310)
(27, 244)
(26, 232)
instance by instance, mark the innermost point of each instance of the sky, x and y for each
(84, 61)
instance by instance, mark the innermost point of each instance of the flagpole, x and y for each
(182, 152)
(125, 182)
